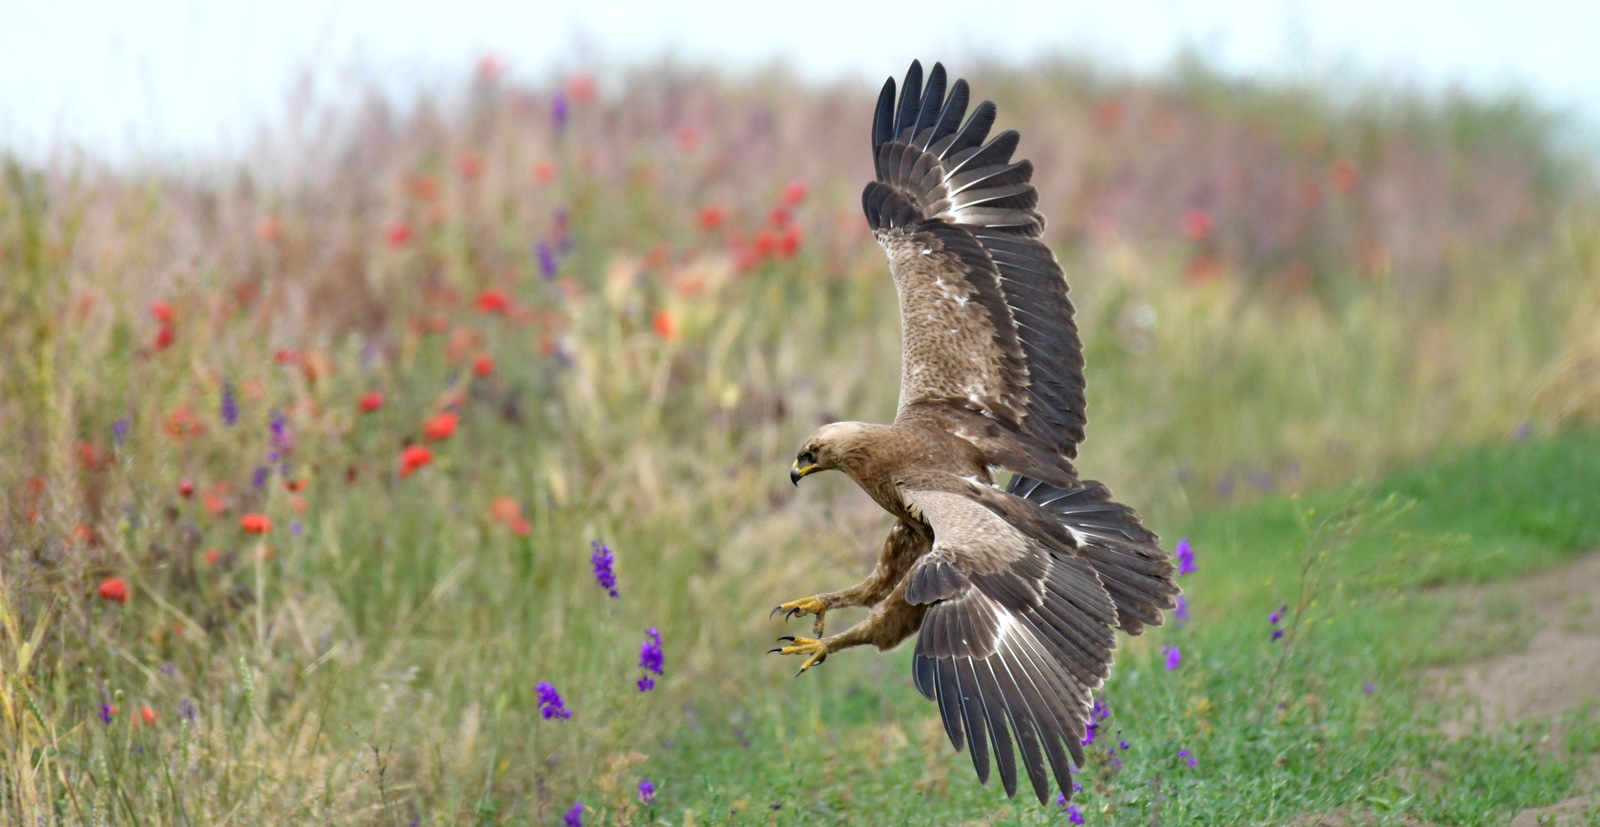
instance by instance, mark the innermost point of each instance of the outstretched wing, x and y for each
(1017, 635)
(1136, 573)
(983, 304)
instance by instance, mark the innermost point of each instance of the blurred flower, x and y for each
(688, 139)
(490, 67)
(398, 234)
(650, 654)
(788, 243)
(504, 509)
(230, 405)
(1181, 612)
(295, 527)
(1522, 432)
(259, 477)
(574, 816)
(107, 711)
(1276, 633)
(544, 172)
(270, 229)
(483, 365)
(469, 166)
(162, 312)
(647, 792)
(794, 193)
(147, 714)
(165, 337)
(282, 439)
(1197, 224)
(1074, 815)
(187, 710)
(114, 589)
(601, 560)
(294, 486)
(550, 705)
(1343, 175)
(1185, 553)
(1277, 614)
(559, 111)
(493, 301)
(211, 556)
(1367, 688)
(1174, 657)
(779, 217)
(414, 457)
(711, 217)
(185, 488)
(255, 523)
(547, 260)
(665, 324)
(119, 430)
(371, 402)
(581, 87)
(440, 426)
(1183, 753)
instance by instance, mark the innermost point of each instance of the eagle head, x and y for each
(841, 445)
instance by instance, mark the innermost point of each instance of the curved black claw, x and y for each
(774, 611)
(791, 614)
(789, 638)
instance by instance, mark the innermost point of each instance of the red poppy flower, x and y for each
(165, 337)
(185, 488)
(665, 324)
(712, 217)
(114, 589)
(211, 556)
(255, 523)
(414, 457)
(294, 485)
(789, 243)
(1197, 224)
(147, 715)
(440, 426)
(483, 365)
(372, 401)
(494, 301)
(522, 527)
(581, 88)
(794, 193)
(399, 233)
(162, 311)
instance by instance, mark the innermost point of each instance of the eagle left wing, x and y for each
(1018, 631)
(986, 323)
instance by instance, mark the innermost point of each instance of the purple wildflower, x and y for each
(1123, 743)
(559, 110)
(1174, 657)
(550, 705)
(1277, 615)
(574, 816)
(547, 259)
(1276, 633)
(650, 658)
(259, 477)
(1185, 554)
(119, 431)
(187, 710)
(295, 527)
(1074, 815)
(106, 711)
(1061, 799)
(647, 792)
(230, 405)
(601, 560)
(1183, 753)
(1181, 612)
(1099, 712)
(1368, 688)
(645, 683)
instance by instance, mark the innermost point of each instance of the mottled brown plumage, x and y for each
(1013, 593)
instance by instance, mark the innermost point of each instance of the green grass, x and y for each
(1278, 729)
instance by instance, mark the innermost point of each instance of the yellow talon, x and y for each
(805, 606)
(818, 650)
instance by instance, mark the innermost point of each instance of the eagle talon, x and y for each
(805, 606)
(816, 649)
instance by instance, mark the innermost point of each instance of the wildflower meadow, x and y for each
(426, 463)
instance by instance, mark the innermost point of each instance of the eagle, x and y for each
(1014, 594)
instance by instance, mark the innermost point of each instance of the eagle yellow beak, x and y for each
(796, 472)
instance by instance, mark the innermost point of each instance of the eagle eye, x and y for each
(808, 458)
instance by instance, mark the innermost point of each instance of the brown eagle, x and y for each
(1013, 593)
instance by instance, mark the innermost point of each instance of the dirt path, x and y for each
(1557, 612)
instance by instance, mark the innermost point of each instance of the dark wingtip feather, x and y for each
(883, 117)
(910, 98)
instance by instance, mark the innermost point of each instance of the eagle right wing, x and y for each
(1018, 631)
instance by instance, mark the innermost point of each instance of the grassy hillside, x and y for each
(304, 459)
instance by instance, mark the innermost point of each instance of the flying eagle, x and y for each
(1013, 594)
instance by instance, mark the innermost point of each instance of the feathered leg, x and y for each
(900, 549)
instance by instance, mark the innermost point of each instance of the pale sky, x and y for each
(174, 78)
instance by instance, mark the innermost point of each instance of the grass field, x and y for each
(308, 459)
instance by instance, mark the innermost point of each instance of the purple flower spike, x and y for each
(550, 705)
(574, 816)
(547, 260)
(601, 560)
(647, 792)
(230, 405)
(1074, 815)
(1276, 633)
(1182, 611)
(119, 430)
(1174, 657)
(559, 111)
(1185, 554)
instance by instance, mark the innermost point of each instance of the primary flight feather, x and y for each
(1013, 594)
